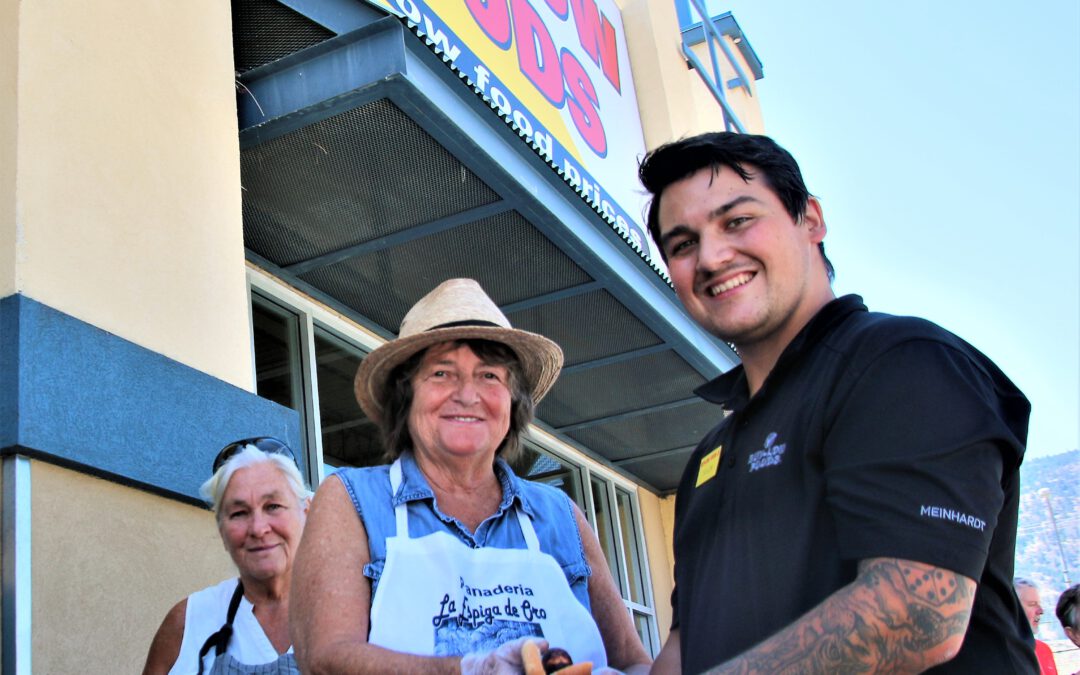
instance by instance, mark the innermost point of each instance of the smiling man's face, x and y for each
(741, 265)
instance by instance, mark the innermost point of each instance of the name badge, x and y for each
(708, 466)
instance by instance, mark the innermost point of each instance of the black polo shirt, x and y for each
(873, 436)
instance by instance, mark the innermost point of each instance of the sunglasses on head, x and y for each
(267, 444)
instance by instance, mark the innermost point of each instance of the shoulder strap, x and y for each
(220, 640)
(401, 511)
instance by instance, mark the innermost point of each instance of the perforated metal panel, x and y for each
(265, 31)
(510, 258)
(362, 174)
(663, 473)
(563, 320)
(599, 392)
(655, 432)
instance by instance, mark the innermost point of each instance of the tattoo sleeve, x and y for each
(897, 616)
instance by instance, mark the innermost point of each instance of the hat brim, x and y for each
(541, 360)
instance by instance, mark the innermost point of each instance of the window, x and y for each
(277, 340)
(544, 467)
(349, 438)
(306, 357)
(304, 361)
(276, 335)
(605, 531)
(619, 531)
(634, 581)
(637, 595)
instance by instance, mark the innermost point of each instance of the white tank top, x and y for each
(206, 610)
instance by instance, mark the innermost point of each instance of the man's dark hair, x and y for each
(394, 425)
(1066, 609)
(775, 166)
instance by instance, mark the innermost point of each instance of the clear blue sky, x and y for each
(943, 139)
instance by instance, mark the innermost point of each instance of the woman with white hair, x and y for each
(242, 624)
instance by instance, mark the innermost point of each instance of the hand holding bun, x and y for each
(552, 660)
(506, 659)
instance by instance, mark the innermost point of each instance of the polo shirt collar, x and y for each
(414, 485)
(731, 389)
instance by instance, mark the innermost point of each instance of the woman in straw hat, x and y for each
(445, 561)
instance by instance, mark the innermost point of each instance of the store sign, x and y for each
(559, 70)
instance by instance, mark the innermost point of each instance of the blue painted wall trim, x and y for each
(76, 395)
(9, 370)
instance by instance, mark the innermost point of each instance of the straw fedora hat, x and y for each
(457, 309)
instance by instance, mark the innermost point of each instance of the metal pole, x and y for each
(1045, 494)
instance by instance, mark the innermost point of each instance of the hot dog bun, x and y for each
(531, 659)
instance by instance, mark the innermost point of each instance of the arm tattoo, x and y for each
(895, 617)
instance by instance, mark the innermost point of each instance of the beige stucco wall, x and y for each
(672, 99)
(660, 75)
(108, 563)
(128, 173)
(9, 64)
(657, 518)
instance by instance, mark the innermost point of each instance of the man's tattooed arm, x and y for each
(897, 616)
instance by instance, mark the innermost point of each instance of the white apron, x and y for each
(439, 597)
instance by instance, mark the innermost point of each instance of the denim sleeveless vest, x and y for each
(550, 510)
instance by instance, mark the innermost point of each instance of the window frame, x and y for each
(301, 378)
(311, 313)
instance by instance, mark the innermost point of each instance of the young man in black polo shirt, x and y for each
(855, 509)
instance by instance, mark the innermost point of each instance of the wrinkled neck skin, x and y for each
(465, 488)
(269, 599)
(458, 476)
(266, 591)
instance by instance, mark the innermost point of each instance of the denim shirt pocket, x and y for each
(373, 570)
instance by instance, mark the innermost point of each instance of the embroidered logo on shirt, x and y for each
(955, 516)
(771, 455)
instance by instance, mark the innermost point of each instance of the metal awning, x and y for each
(371, 173)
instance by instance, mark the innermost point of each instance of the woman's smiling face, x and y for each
(460, 405)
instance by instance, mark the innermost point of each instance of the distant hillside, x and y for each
(1038, 556)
